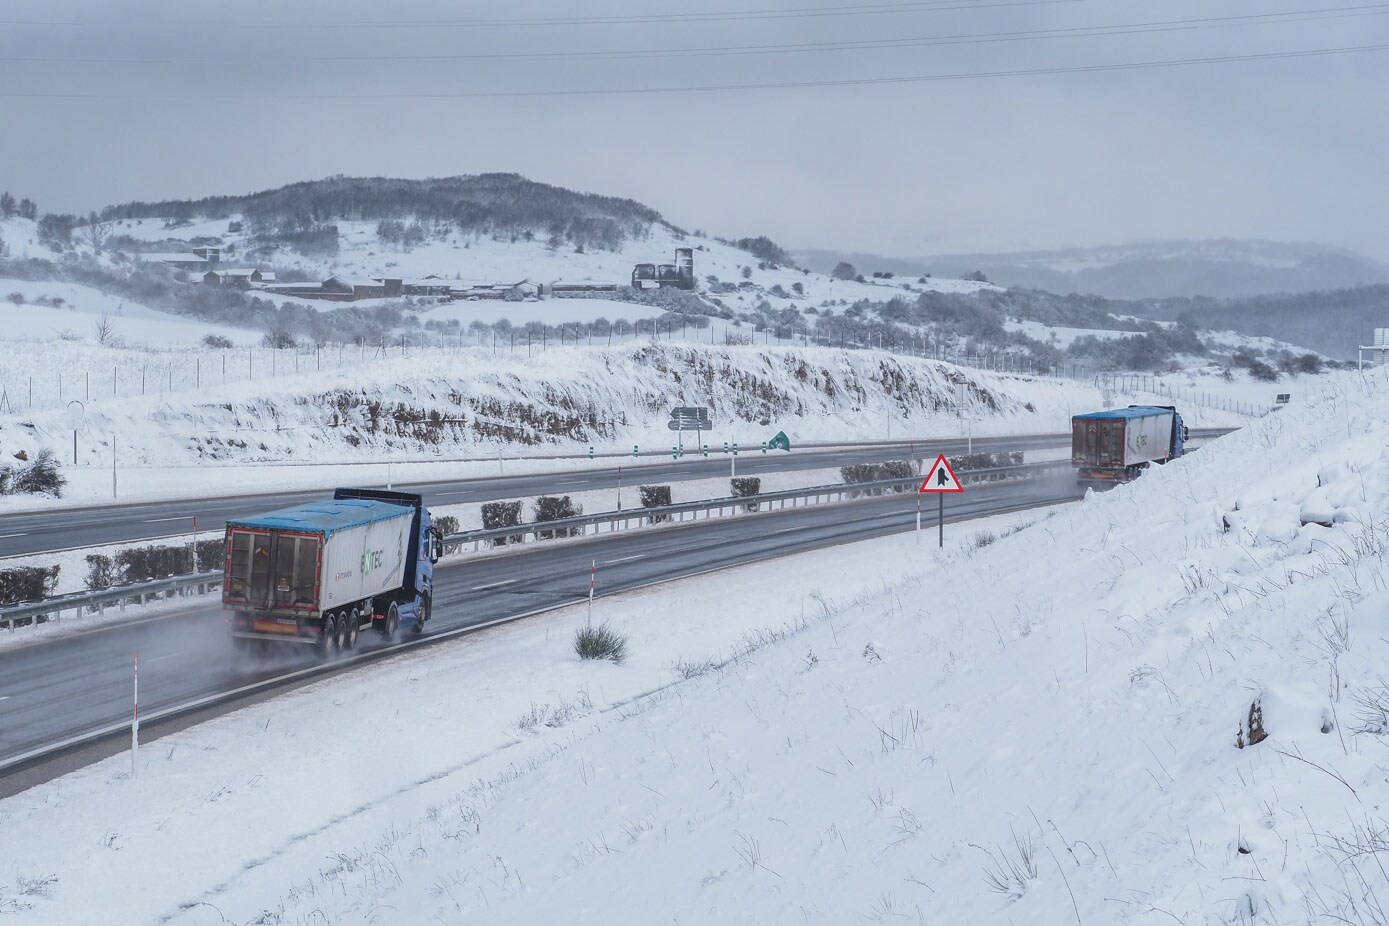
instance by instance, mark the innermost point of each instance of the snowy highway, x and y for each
(65, 529)
(66, 690)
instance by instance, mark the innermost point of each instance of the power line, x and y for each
(717, 88)
(1119, 29)
(924, 6)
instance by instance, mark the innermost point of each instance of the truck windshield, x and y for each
(273, 570)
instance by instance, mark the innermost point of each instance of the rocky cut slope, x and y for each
(470, 400)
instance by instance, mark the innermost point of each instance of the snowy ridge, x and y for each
(565, 398)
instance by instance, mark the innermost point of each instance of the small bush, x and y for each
(27, 583)
(983, 460)
(447, 524)
(101, 572)
(746, 487)
(556, 508)
(502, 514)
(877, 472)
(140, 564)
(655, 497)
(984, 539)
(216, 341)
(40, 476)
(601, 642)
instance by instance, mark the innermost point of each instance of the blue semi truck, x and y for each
(321, 572)
(1117, 445)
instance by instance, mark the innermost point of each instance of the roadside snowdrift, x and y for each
(1042, 727)
(470, 400)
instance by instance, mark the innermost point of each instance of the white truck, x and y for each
(1117, 445)
(320, 572)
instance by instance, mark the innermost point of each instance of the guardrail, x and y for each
(139, 593)
(719, 507)
(535, 530)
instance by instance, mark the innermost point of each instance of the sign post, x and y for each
(689, 418)
(135, 721)
(941, 480)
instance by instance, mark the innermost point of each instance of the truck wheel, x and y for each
(349, 628)
(391, 629)
(328, 640)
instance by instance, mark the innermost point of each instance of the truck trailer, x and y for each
(321, 572)
(1117, 445)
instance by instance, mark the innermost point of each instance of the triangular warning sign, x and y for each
(941, 478)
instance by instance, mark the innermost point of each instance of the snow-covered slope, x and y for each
(469, 399)
(1165, 703)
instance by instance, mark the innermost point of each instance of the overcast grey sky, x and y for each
(104, 101)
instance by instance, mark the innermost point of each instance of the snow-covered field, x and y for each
(1176, 714)
(82, 309)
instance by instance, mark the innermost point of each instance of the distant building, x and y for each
(186, 260)
(242, 279)
(429, 286)
(301, 290)
(345, 289)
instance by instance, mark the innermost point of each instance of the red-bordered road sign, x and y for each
(941, 478)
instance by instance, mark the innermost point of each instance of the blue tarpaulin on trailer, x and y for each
(1133, 411)
(325, 517)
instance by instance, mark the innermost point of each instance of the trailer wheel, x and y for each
(328, 640)
(391, 629)
(354, 623)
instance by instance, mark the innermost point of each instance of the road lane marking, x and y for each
(786, 530)
(483, 588)
(624, 559)
(4, 536)
(4, 697)
(186, 517)
(165, 656)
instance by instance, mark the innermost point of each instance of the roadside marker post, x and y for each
(706, 451)
(592, 577)
(675, 453)
(590, 452)
(135, 722)
(619, 488)
(940, 480)
(634, 451)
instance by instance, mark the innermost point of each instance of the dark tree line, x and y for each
(485, 204)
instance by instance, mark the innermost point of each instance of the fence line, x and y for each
(1136, 382)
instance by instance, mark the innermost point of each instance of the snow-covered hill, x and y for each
(1165, 703)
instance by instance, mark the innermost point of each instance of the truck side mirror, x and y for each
(436, 545)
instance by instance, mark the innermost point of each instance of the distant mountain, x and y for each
(1223, 268)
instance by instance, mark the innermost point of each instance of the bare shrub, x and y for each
(601, 642)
